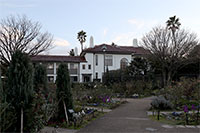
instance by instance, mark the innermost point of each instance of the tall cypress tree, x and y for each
(40, 78)
(20, 85)
(1, 89)
(63, 91)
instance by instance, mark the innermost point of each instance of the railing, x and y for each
(73, 71)
(50, 71)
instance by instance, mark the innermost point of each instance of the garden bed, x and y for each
(85, 120)
(177, 118)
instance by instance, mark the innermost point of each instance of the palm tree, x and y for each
(173, 24)
(71, 52)
(82, 38)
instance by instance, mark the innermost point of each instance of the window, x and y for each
(83, 66)
(89, 67)
(50, 79)
(73, 78)
(108, 60)
(96, 75)
(50, 66)
(73, 66)
(96, 58)
(123, 63)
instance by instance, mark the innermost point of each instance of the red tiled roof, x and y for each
(55, 58)
(114, 49)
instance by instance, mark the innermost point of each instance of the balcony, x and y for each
(50, 71)
(73, 71)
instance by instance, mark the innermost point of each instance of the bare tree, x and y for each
(20, 33)
(168, 55)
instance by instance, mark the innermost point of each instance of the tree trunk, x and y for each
(22, 118)
(164, 77)
(169, 77)
(66, 116)
(81, 47)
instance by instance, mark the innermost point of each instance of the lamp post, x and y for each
(104, 50)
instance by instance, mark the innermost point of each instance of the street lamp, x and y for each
(104, 50)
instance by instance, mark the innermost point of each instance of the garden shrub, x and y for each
(183, 92)
(160, 103)
(64, 95)
(20, 92)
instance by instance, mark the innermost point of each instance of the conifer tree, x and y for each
(40, 78)
(63, 91)
(20, 84)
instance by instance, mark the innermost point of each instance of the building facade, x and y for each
(102, 57)
(92, 62)
(52, 63)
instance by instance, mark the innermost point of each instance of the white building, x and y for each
(92, 62)
(52, 62)
(104, 56)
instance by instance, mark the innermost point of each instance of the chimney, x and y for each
(135, 42)
(76, 51)
(91, 42)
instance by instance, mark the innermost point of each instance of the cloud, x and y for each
(142, 24)
(105, 31)
(15, 4)
(60, 47)
(125, 39)
(138, 27)
(61, 42)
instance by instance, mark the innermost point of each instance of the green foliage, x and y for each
(106, 77)
(7, 113)
(183, 92)
(71, 52)
(143, 88)
(40, 78)
(19, 93)
(0, 84)
(160, 103)
(81, 38)
(173, 23)
(63, 90)
(20, 80)
(35, 117)
(139, 69)
(7, 116)
(139, 66)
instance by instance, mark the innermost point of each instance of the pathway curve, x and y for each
(131, 117)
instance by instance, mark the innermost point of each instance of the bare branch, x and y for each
(170, 55)
(20, 33)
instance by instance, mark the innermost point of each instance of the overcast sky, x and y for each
(108, 21)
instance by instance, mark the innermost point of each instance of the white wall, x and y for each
(91, 59)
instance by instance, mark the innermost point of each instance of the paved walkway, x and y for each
(131, 117)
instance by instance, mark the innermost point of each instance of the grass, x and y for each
(164, 120)
(172, 121)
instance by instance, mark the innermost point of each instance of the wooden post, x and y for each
(22, 117)
(186, 118)
(66, 116)
(198, 115)
(158, 117)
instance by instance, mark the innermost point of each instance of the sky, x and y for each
(118, 21)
